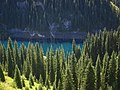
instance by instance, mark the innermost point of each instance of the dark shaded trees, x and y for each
(2, 77)
(17, 78)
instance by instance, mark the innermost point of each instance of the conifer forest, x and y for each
(93, 66)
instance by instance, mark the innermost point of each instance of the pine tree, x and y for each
(104, 73)
(68, 81)
(97, 73)
(74, 71)
(89, 81)
(10, 59)
(58, 72)
(2, 77)
(38, 61)
(17, 77)
(52, 73)
(10, 64)
(118, 71)
(16, 56)
(33, 61)
(4, 58)
(112, 71)
(26, 68)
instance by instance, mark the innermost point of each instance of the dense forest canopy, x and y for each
(60, 15)
(94, 67)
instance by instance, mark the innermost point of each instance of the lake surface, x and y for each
(46, 45)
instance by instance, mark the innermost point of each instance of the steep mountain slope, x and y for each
(59, 15)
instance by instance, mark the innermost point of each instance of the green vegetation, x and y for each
(94, 67)
(2, 77)
(81, 15)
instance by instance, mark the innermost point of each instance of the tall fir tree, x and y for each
(17, 78)
(68, 81)
(112, 71)
(89, 83)
(58, 72)
(97, 73)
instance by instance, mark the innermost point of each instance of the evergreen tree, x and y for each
(104, 73)
(16, 56)
(17, 77)
(33, 61)
(118, 71)
(112, 71)
(10, 64)
(74, 71)
(89, 81)
(58, 72)
(2, 77)
(26, 68)
(68, 81)
(10, 58)
(38, 61)
(51, 70)
(97, 73)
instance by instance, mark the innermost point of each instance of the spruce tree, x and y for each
(118, 71)
(10, 64)
(97, 73)
(112, 71)
(52, 73)
(17, 77)
(74, 71)
(16, 56)
(89, 81)
(33, 61)
(58, 72)
(38, 61)
(26, 68)
(2, 77)
(104, 73)
(68, 81)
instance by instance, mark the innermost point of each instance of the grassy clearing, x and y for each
(9, 84)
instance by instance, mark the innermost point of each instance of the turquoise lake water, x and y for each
(45, 45)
